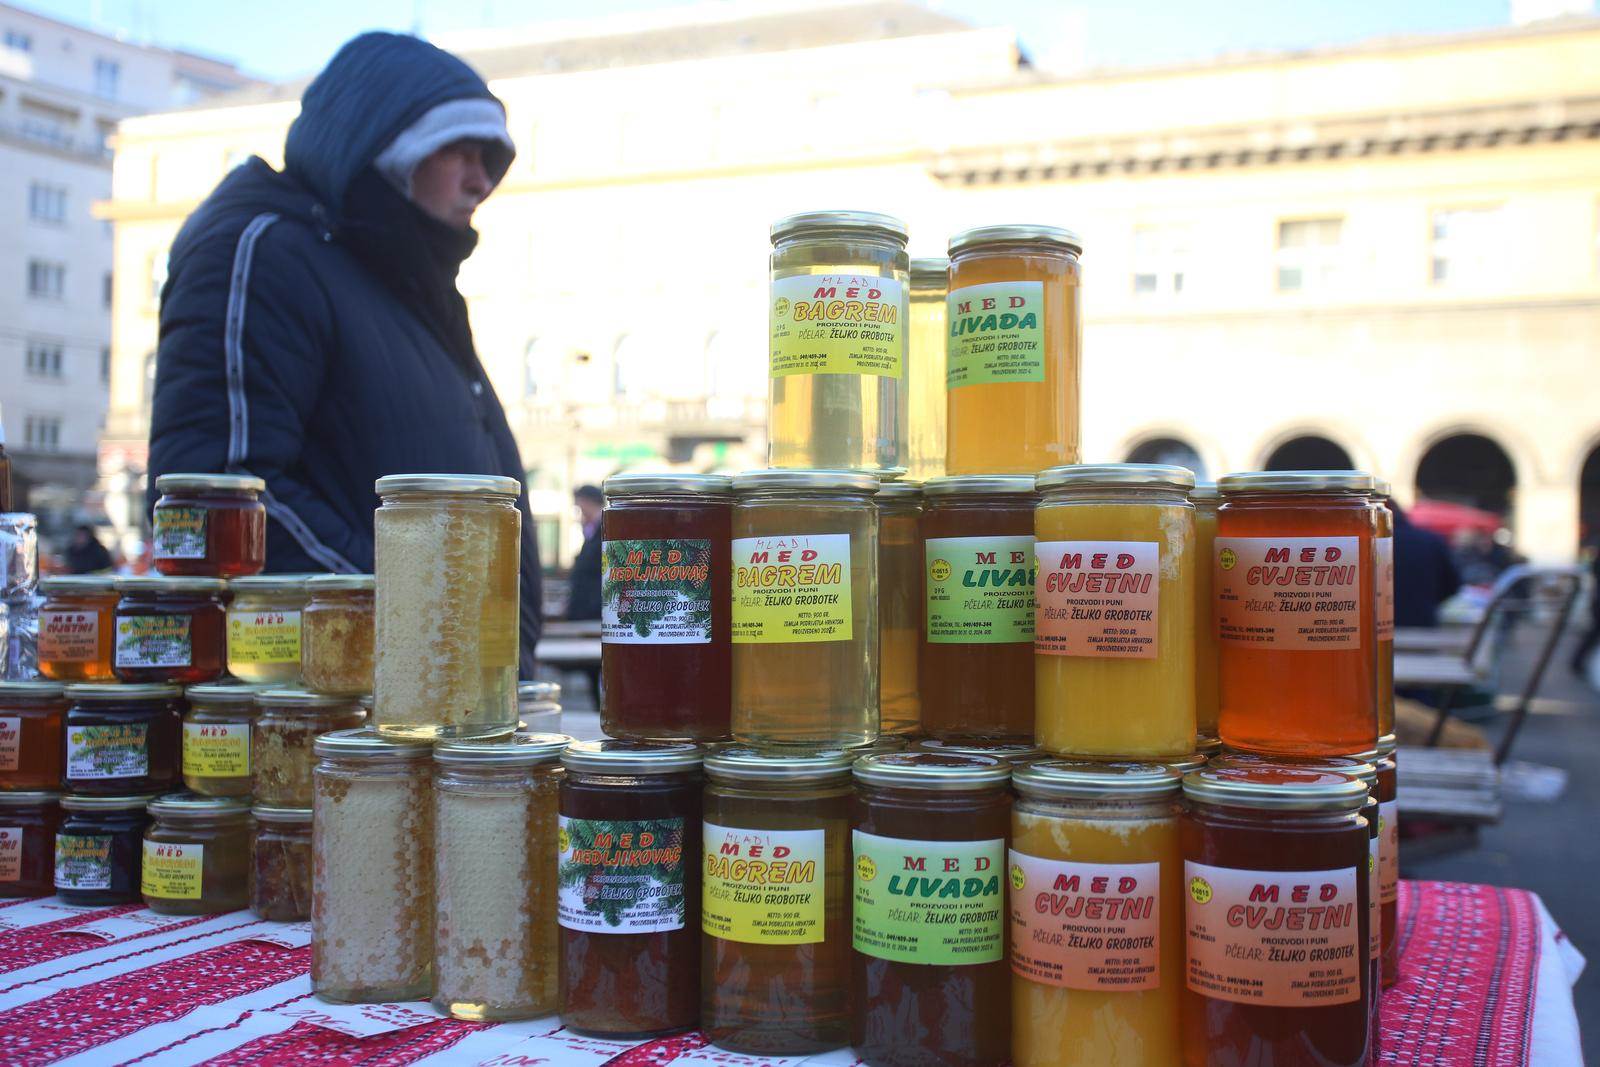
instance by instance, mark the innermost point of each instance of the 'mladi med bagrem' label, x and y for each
(838, 324)
(791, 588)
(763, 887)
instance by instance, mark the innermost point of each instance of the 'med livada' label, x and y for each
(1293, 593)
(931, 902)
(763, 887)
(980, 590)
(1098, 598)
(791, 588)
(655, 592)
(996, 334)
(838, 324)
(620, 876)
(1086, 925)
(1287, 939)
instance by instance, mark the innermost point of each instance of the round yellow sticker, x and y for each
(866, 870)
(1228, 559)
(1200, 890)
(1018, 879)
(939, 570)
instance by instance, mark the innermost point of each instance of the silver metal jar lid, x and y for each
(301, 698)
(930, 270)
(944, 772)
(539, 692)
(122, 691)
(1205, 492)
(1355, 767)
(340, 583)
(20, 797)
(633, 757)
(33, 689)
(364, 742)
(1116, 475)
(74, 802)
(1295, 482)
(1016, 233)
(868, 222)
(1013, 751)
(518, 750)
(1275, 787)
(263, 813)
(666, 483)
(223, 693)
(811, 480)
(1087, 780)
(739, 763)
(229, 483)
(195, 804)
(77, 584)
(174, 586)
(489, 484)
(283, 584)
(900, 489)
(978, 484)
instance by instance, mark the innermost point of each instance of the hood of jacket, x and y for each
(375, 87)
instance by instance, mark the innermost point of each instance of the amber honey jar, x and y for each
(211, 525)
(336, 634)
(28, 823)
(32, 715)
(169, 630)
(76, 627)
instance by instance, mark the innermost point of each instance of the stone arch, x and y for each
(1173, 447)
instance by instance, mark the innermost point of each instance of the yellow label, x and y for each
(216, 749)
(763, 887)
(838, 324)
(264, 636)
(171, 872)
(791, 589)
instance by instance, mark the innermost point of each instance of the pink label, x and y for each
(69, 636)
(10, 741)
(1289, 939)
(1383, 572)
(1290, 593)
(1097, 598)
(1086, 925)
(10, 853)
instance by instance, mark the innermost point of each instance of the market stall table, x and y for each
(1485, 979)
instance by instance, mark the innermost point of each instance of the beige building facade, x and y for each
(1387, 255)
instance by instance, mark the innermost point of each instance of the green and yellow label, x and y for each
(996, 334)
(153, 641)
(180, 533)
(980, 590)
(216, 749)
(83, 861)
(791, 588)
(171, 871)
(838, 324)
(264, 636)
(929, 902)
(763, 887)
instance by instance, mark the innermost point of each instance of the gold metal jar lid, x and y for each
(866, 222)
(74, 802)
(1385, 750)
(122, 691)
(935, 269)
(1354, 766)
(231, 693)
(539, 693)
(816, 481)
(300, 698)
(883, 743)
(33, 689)
(340, 583)
(364, 742)
(518, 750)
(228, 483)
(22, 797)
(78, 584)
(899, 490)
(1088, 780)
(1185, 764)
(941, 771)
(1295, 482)
(160, 584)
(1275, 787)
(977, 484)
(1382, 489)
(739, 763)
(610, 756)
(488, 484)
(1116, 476)
(1006, 750)
(195, 805)
(1052, 236)
(263, 813)
(280, 584)
(666, 483)
(1205, 492)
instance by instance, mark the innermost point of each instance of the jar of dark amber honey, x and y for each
(31, 717)
(122, 739)
(170, 630)
(97, 849)
(1275, 898)
(212, 525)
(775, 912)
(28, 824)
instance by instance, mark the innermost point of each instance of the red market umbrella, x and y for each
(1441, 516)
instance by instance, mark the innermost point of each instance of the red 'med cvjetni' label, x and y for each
(1289, 593)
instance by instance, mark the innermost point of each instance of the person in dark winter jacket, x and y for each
(311, 329)
(1425, 575)
(584, 581)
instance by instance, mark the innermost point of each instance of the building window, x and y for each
(105, 363)
(18, 41)
(46, 280)
(1468, 246)
(1308, 254)
(46, 125)
(42, 433)
(105, 288)
(1160, 259)
(44, 359)
(47, 203)
(107, 73)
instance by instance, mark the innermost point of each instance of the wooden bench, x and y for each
(1445, 795)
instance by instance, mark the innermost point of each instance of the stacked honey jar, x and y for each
(1006, 757)
(165, 751)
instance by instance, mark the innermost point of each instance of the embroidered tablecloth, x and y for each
(1486, 981)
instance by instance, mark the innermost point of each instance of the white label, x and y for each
(83, 861)
(153, 641)
(621, 876)
(655, 592)
(117, 750)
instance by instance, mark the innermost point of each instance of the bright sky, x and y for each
(290, 37)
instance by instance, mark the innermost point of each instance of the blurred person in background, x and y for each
(85, 554)
(1425, 574)
(584, 601)
(311, 330)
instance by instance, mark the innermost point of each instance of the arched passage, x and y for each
(1589, 500)
(1170, 450)
(1308, 452)
(1470, 469)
